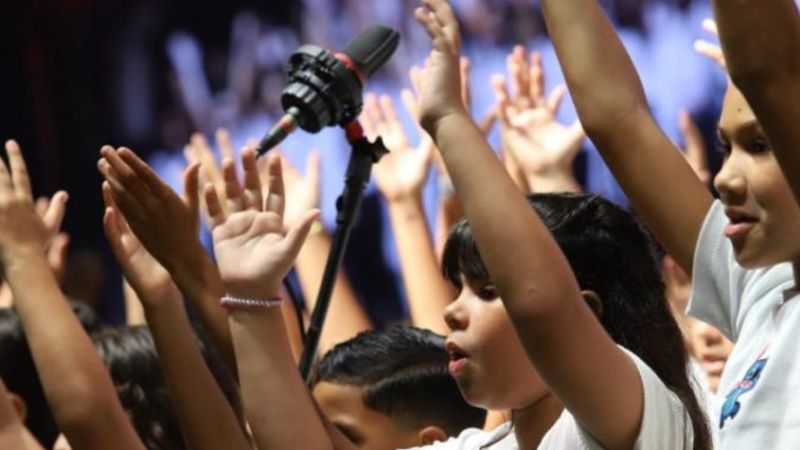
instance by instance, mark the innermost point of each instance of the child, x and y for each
(390, 389)
(737, 249)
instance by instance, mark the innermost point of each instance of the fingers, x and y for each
(297, 235)
(224, 143)
(710, 51)
(54, 214)
(447, 21)
(6, 187)
(556, 98)
(466, 94)
(536, 78)
(215, 215)
(520, 75)
(127, 187)
(152, 181)
(502, 98)
(19, 171)
(276, 194)
(234, 199)
(711, 26)
(313, 169)
(410, 103)
(252, 182)
(191, 189)
(57, 254)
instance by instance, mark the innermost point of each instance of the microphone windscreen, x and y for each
(372, 48)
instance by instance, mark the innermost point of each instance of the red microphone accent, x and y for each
(351, 65)
(354, 131)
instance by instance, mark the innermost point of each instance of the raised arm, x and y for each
(612, 107)
(165, 225)
(765, 66)
(346, 317)
(591, 376)
(254, 253)
(400, 177)
(75, 381)
(206, 418)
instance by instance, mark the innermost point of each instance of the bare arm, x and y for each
(613, 109)
(592, 377)
(400, 176)
(166, 227)
(765, 66)
(254, 253)
(205, 416)
(75, 381)
(346, 317)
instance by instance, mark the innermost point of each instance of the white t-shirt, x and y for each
(755, 404)
(665, 425)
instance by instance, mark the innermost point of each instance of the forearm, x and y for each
(75, 381)
(202, 286)
(613, 109)
(498, 215)
(601, 77)
(427, 292)
(346, 317)
(207, 419)
(277, 403)
(755, 54)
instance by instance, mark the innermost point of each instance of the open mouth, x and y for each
(458, 358)
(713, 365)
(740, 223)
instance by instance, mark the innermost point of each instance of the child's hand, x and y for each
(253, 251)
(164, 223)
(401, 174)
(708, 49)
(543, 147)
(146, 276)
(21, 229)
(197, 151)
(441, 85)
(302, 191)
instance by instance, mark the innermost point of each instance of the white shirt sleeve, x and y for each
(665, 422)
(722, 290)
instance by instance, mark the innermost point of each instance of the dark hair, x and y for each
(612, 254)
(19, 374)
(131, 358)
(403, 373)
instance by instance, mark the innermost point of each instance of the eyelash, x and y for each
(488, 292)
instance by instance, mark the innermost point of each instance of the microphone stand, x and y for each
(359, 168)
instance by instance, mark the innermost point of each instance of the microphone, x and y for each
(325, 88)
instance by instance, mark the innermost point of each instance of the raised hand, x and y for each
(21, 229)
(197, 151)
(253, 250)
(709, 49)
(543, 148)
(440, 92)
(166, 224)
(400, 174)
(146, 276)
(302, 191)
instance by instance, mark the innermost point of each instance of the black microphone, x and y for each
(325, 88)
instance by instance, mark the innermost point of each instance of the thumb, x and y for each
(297, 235)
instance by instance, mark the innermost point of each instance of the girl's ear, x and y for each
(430, 435)
(594, 301)
(19, 406)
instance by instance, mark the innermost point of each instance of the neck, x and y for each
(532, 422)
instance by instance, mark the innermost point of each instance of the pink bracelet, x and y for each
(229, 301)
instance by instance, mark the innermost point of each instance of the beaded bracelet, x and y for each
(229, 301)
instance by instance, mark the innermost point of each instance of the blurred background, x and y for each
(77, 74)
